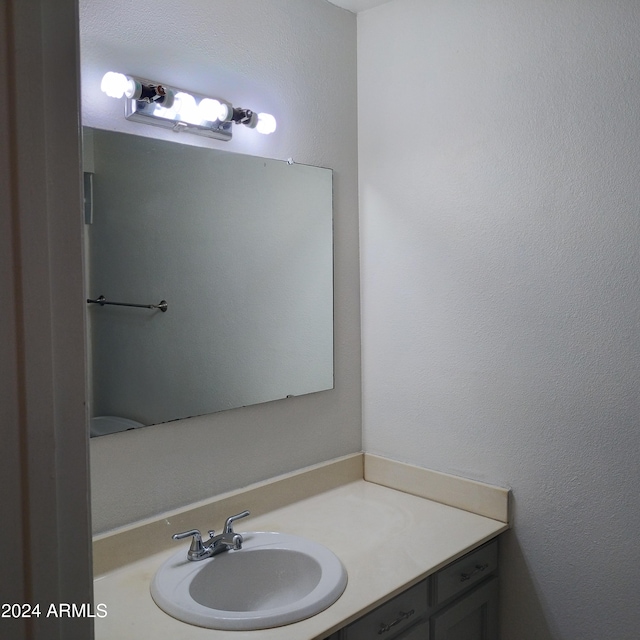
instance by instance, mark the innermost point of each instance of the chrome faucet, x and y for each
(202, 549)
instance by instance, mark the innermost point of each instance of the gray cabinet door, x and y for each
(472, 617)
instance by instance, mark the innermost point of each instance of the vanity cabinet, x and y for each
(459, 602)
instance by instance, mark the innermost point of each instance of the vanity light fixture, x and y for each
(162, 106)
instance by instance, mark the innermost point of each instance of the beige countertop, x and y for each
(387, 540)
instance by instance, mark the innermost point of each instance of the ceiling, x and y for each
(358, 5)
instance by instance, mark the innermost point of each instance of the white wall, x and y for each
(500, 225)
(292, 58)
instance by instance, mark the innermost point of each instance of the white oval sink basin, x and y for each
(275, 579)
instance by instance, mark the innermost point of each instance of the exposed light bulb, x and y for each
(185, 106)
(169, 97)
(169, 108)
(116, 85)
(211, 110)
(266, 123)
(162, 112)
(226, 112)
(182, 107)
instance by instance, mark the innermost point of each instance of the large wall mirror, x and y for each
(241, 249)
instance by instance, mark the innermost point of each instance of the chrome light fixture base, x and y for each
(148, 112)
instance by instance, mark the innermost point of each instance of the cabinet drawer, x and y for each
(474, 616)
(389, 619)
(464, 573)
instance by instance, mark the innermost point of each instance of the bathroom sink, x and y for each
(275, 579)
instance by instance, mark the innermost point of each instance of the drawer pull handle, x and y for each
(403, 616)
(479, 569)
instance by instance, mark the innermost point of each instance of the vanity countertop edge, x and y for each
(385, 520)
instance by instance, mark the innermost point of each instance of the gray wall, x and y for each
(499, 238)
(297, 60)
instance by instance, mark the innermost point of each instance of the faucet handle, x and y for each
(196, 543)
(228, 525)
(236, 541)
